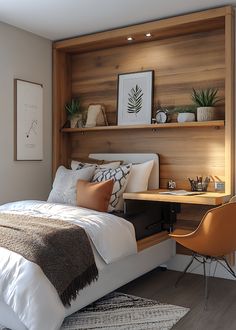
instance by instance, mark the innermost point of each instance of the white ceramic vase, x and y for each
(185, 116)
(205, 113)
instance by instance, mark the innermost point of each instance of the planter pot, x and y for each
(185, 116)
(205, 113)
(76, 121)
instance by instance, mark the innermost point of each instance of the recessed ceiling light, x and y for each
(130, 38)
(148, 35)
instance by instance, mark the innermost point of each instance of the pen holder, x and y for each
(199, 185)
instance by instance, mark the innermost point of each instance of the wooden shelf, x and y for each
(213, 123)
(152, 240)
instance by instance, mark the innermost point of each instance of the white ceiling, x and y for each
(59, 19)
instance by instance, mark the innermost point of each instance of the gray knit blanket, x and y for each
(61, 249)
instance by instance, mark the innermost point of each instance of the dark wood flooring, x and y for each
(221, 308)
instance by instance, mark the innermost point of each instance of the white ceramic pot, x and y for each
(205, 113)
(185, 116)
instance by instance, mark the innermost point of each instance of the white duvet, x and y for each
(25, 288)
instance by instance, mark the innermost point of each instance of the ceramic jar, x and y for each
(185, 116)
(205, 113)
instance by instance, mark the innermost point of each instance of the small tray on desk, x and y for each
(181, 192)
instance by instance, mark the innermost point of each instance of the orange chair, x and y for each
(214, 238)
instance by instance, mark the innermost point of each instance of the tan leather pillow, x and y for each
(94, 195)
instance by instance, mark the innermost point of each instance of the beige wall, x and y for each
(24, 56)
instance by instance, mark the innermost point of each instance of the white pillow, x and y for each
(120, 176)
(64, 185)
(76, 165)
(139, 176)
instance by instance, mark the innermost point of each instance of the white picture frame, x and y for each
(28, 120)
(135, 93)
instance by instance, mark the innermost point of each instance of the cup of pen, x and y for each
(199, 184)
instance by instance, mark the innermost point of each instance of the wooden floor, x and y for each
(221, 310)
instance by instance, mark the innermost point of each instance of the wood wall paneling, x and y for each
(180, 63)
(183, 152)
(61, 95)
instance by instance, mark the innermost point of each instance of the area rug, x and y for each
(124, 312)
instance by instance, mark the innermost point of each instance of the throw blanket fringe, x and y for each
(61, 249)
(81, 281)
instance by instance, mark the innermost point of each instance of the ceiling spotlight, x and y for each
(130, 38)
(148, 35)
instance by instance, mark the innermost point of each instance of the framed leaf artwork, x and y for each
(135, 91)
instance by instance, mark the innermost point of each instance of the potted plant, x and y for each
(205, 100)
(185, 113)
(73, 113)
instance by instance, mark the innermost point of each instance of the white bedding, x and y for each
(25, 288)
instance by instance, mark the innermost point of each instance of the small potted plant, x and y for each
(73, 113)
(185, 113)
(205, 100)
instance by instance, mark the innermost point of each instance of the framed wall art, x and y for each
(28, 120)
(135, 93)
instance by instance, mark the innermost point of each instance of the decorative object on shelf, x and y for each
(29, 120)
(199, 184)
(74, 113)
(162, 116)
(171, 184)
(184, 113)
(96, 116)
(185, 117)
(205, 100)
(135, 92)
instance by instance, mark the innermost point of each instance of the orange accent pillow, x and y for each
(94, 195)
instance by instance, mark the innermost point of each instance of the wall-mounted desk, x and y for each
(208, 198)
(200, 202)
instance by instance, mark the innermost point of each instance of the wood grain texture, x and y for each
(152, 240)
(212, 123)
(61, 95)
(179, 25)
(180, 63)
(183, 152)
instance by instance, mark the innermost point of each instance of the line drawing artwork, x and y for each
(32, 129)
(29, 112)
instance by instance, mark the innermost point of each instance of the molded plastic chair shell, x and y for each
(216, 234)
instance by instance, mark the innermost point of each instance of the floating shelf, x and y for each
(213, 123)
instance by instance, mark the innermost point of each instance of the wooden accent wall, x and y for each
(180, 63)
(183, 152)
(193, 50)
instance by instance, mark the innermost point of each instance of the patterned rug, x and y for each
(124, 312)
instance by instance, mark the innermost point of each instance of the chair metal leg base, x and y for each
(185, 270)
(206, 259)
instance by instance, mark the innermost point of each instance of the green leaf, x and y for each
(205, 97)
(135, 100)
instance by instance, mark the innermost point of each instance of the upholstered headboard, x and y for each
(136, 158)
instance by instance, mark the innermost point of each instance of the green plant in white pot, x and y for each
(205, 100)
(185, 113)
(73, 112)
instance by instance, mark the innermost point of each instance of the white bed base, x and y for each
(112, 276)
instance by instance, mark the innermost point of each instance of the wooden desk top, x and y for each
(208, 198)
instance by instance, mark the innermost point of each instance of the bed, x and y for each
(29, 301)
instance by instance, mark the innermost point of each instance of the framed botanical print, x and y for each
(135, 92)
